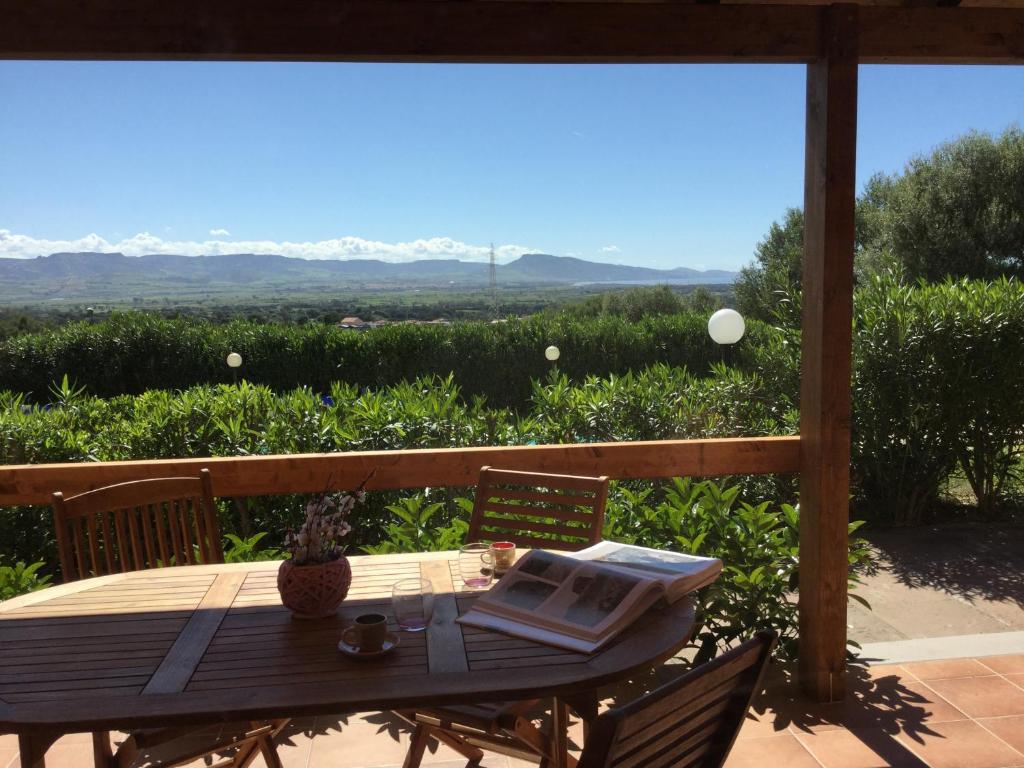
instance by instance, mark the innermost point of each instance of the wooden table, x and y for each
(203, 644)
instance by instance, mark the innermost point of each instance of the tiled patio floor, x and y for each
(960, 713)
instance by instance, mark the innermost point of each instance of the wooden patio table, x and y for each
(212, 643)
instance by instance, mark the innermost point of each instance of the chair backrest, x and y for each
(534, 509)
(691, 721)
(137, 525)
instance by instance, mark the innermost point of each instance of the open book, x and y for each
(581, 600)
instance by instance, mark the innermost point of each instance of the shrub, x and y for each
(936, 383)
(758, 544)
(19, 579)
(133, 352)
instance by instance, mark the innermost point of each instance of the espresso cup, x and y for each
(504, 553)
(369, 631)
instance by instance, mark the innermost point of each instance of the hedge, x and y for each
(133, 352)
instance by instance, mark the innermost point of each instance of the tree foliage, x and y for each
(957, 212)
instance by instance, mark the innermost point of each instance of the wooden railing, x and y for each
(308, 473)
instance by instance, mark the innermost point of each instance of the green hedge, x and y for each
(132, 353)
(938, 385)
(248, 419)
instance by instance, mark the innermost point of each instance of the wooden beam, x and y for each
(829, 198)
(308, 473)
(506, 31)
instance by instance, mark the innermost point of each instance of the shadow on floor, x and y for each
(971, 560)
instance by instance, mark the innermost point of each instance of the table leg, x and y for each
(32, 746)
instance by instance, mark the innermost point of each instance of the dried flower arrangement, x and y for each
(320, 539)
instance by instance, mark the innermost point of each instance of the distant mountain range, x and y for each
(89, 276)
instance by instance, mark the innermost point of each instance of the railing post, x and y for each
(829, 205)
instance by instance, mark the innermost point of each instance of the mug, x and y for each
(504, 556)
(369, 631)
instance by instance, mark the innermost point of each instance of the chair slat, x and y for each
(712, 680)
(76, 531)
(131, 526)
(690, 721)
(156, 511)
(511, 524)
(124, 542)
(547, 497)
(674, 742)
(186, 530)
(198, 521)
(169, 513)
(491, 475)
(131, 516)
(547, 512)
(147, 533)
(108, 542)
(680, 731)
(536, 508)
(94, 551)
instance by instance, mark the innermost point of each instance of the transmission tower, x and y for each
(494, 284)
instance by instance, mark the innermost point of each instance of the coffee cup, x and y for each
(504, 553)
(369, 631)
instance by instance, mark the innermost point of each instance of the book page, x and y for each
(679, 572)
(554, 591)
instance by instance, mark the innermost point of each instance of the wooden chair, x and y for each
(152, 524)
(531, 509)
(689, 722)
(137, 525)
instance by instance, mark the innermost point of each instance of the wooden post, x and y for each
(829, 202)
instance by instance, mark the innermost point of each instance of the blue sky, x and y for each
(656, 165)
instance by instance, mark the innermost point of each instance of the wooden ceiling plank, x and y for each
(507, 31)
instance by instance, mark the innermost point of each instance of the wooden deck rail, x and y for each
(308, 473)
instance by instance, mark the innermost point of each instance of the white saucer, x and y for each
(349, 648)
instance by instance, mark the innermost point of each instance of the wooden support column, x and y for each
(829, 202)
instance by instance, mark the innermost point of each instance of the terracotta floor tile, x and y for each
(69, 756)
(1009, 729)
(876, 671)
(981, 696)
(1017, 680)
(7, 757)
(761, 725)
(8, 741)
(872, 748)
(941, 670)
(1005, 665)
(963, 744)
(916, 703)
(773, 750)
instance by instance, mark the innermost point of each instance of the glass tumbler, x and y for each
(413, 603)
(476, 565)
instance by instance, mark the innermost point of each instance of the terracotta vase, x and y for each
(314, 591)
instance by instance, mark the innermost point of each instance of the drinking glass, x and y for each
(476, 565)
(413, 603)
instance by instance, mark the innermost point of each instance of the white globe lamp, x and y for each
(726, 326)
(234, 360)
(552, 353)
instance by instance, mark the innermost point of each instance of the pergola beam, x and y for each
(494, 31)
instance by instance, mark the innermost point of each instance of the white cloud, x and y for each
(610, 249)
(220, 232)
(26, 247)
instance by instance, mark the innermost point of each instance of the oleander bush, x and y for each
(758, 542)
(427, 412)
(937, 386)
(132, 353)
(19, 578)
